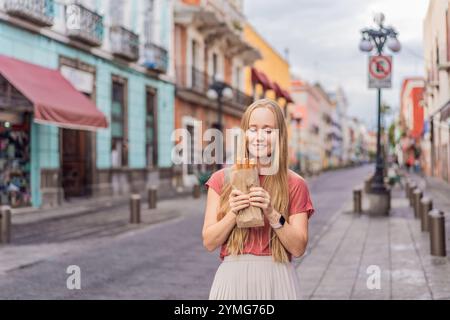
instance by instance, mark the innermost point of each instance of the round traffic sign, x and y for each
(380, 67)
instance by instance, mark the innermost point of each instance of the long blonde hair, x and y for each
(276, 185)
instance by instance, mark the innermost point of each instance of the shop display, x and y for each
(15, 189)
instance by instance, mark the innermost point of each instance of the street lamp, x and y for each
(298, 121)
(378, 38)
(219, 91)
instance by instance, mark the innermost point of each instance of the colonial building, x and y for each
(86, 99)
(209, 47)
(411, 118)
(437, 88)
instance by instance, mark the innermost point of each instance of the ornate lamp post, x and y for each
(378, 38)
(219, 91)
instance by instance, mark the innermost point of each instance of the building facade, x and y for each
(209, 46)
(411, 119)
(437, 96)
(118, 55)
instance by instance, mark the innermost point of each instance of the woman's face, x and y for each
(261, 133)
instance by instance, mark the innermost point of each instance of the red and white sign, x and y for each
(380, 71)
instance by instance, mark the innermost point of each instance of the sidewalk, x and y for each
(337, 265)
(33, 241)
(82, 206)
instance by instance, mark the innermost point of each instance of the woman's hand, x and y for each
(238, 201)
(261, 198)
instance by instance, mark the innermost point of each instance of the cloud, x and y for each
(323, 37)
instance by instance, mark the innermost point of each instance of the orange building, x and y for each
(411, 116)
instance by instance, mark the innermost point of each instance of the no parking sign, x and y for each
(380, 71)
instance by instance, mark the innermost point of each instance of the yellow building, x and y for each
(270, 77)
(272, 64)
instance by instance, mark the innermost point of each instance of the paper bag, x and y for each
(243, 180)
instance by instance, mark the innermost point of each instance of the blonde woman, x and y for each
(257, 262)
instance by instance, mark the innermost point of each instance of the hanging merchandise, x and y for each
(15, 189)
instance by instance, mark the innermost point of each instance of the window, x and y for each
(190, 166)
(119, 134)
(148, 21)
(194, 53)
(151, 141)
(116, 10)
(214, 65)
(237, 77)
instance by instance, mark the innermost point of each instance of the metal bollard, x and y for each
(437, 233)
(196, 191)
(417, 195)
(135, 208)
(425, 207)
(152, 197)
(389, 190)
(407, 188)
(5, 224)
(412, 186)
(367, 183)
(357, 200)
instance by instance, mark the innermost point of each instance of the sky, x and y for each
(323, 37)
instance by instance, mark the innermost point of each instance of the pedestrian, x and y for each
(257, 262)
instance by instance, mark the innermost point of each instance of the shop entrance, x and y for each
(76, 163)
(15, 161)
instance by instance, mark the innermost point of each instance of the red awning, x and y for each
(55, 99)
(277, 90)
(287, 96)
(261, 78)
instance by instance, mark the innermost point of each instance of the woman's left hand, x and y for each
(261, 198)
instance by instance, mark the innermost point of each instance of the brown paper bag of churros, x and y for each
(244, 175)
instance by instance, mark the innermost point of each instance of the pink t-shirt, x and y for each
(258, 240)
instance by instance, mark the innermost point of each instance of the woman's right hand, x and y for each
(238, 201)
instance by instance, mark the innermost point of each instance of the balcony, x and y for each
(155, 58)
(40, 12)
(198, 82)
(84, 25)
(124, 43)
(240, 98)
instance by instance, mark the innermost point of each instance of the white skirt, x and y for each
(252, 277)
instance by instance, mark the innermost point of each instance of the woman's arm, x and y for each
(214, 232)
(294, 233)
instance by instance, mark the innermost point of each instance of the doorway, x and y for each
(76, 163)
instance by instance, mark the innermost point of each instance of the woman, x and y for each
(257, 261)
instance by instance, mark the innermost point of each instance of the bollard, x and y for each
(412, 186)
(437, 233)
(196, 191)
(5, 224)
(152, 198)
(357, 200)
(367, 183)
(407, 188)
(417, 195)
(425, 207)
(389, 189)
(135, 208)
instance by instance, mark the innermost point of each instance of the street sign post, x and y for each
(380, 71)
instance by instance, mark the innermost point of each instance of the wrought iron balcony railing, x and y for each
(124, 43)
(155, 58)
(84, 25)
(40, 12)
(199, 81)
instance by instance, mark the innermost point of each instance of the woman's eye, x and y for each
(268, 131)
(252, 129)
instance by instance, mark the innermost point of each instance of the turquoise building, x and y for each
(118, 60)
